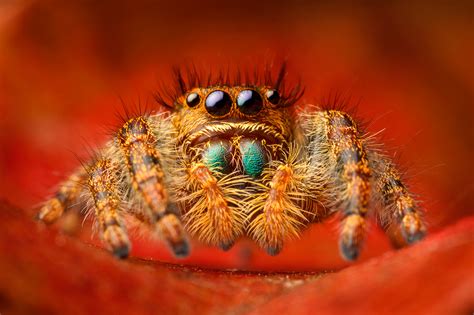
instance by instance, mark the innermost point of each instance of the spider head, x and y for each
(238, 122)
(223, 123)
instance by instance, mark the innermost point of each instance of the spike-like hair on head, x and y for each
(189, 77)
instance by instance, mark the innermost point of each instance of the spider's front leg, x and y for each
(137, 143)
(338, 157)
(135, 149)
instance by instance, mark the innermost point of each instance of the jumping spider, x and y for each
(233, 158)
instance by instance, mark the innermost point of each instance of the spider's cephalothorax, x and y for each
(233, 159)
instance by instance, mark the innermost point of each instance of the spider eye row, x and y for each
(218, 103)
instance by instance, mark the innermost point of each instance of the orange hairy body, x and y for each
(234, 159)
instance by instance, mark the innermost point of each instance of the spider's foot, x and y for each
(121, 252)
(171, 230)
(227, 245)
(352, 237)
(412, 228)
(51, 211)
(349, 251)
(181, 250)
(117, 241)
(273, 250)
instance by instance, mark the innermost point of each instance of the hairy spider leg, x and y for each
(103, 188)
(401, 206)
(143, 161)
(352, 177)
(68, 193)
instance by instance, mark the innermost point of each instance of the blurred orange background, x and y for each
(64, 65)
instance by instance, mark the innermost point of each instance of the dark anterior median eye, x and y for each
(218, 103)
(193, 99)
(249, 102)
(273, 96)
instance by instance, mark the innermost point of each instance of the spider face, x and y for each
(234, 128)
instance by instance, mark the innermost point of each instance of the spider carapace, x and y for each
(233, 159)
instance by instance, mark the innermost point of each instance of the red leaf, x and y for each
(43, 271)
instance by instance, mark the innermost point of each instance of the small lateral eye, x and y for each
(218, 103)
(249, 102)
(193, 99)
(273, 96)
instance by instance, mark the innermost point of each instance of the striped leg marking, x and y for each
(404, 209)
(66, 195)
(353, 176)
(143, 161)
(104, 192)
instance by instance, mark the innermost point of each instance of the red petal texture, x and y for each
(45, 272)
(432, 277)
